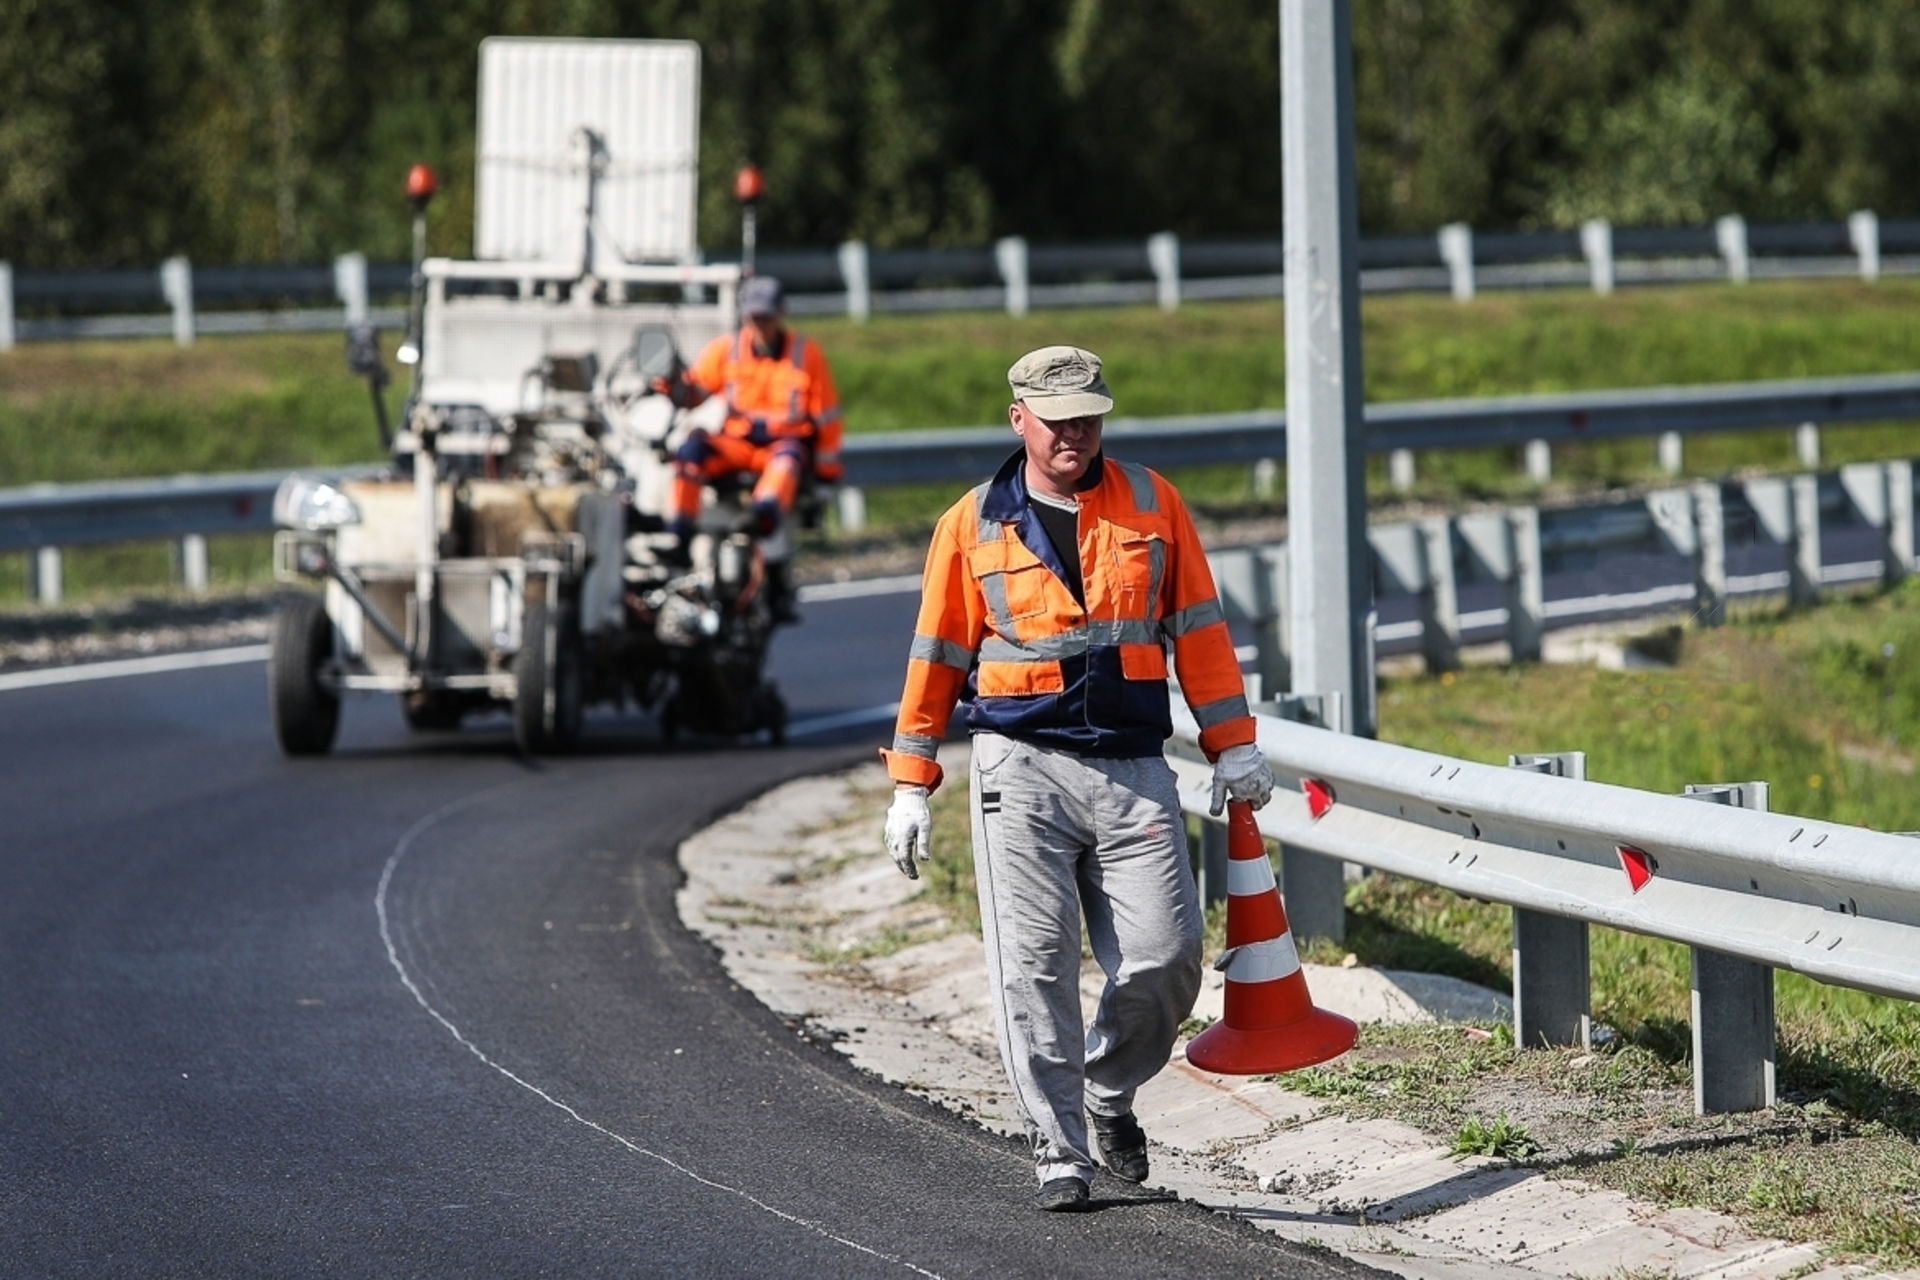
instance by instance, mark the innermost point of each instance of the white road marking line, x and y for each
(898, 585)
(406, 979)
(132, 667)
(845, 719)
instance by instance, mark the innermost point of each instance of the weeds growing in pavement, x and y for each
(1500, 1138)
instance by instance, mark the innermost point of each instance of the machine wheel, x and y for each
(538, 728)
(427, 710)
(306, 714)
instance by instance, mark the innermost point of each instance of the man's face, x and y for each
(1061, 449)
(766, 328)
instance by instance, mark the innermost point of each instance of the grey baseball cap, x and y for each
(762, 296)
(1060, 382)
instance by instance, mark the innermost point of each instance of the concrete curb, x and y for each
(795, 893)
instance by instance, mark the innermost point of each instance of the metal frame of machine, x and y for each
(514, 555)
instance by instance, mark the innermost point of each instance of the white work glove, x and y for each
(1240, 773)
(909, 830)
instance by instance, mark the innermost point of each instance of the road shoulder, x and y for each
(812, 917)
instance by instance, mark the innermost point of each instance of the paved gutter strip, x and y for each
(800, 872)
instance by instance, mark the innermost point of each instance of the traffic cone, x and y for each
(1270, 1023)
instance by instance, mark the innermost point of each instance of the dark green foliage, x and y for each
(281, 129)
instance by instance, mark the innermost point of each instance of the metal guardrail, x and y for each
(1010, 274)
(1749, 891)
(930, 456)
(43, 518)
(1513, 575)
(188, 509)
(78, 515)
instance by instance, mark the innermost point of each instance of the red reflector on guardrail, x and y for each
(1319, 796)
(1637, 863)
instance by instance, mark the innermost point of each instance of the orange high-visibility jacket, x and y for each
(999, 625)
(787, 393)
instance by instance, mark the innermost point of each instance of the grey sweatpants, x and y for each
(1056, 835)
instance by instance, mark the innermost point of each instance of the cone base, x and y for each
(1232, 1051)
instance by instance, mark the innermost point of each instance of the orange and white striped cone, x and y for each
(1270, 1022)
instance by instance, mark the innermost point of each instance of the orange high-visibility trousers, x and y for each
(706, 457)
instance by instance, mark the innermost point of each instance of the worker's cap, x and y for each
(762, 296)
(1060, 382)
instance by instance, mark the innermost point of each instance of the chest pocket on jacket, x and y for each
(1139, 563)
(1014, 588)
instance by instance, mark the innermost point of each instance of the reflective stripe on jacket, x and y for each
(770, 396)
(999, 626)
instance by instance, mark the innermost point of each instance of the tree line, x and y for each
(281, 130)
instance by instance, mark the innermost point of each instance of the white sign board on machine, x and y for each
(539, 101)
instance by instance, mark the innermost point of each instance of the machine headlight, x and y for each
(304, 503)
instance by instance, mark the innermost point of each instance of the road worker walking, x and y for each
(1052, 595)
(783, 424)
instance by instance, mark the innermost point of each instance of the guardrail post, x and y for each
(850, 504)
(1803, 570)
(1730, 233)
(1899, 519)
(43, 575)
(1400, 470)
(1010, 256)
(176, 285)
(1806, 444)
(1213, 862)
(1863, 232)
(1552, 968)
(1252, 584)
(1271, 632)
(853, 274)
(1313, 886)
(1672, 452)
(1539, 456)
(1526, 588)
(190, 561)
(1710, 566)
(1266, 478)
(350, 285)
(6, 306)
(1596, 242)
(1163, 255)
(1439, 596)
(1456, 250)
(1873, 490)
(1733, 1046)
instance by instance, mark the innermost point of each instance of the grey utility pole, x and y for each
(1330, 578)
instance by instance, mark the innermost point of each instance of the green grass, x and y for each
(99, 410)
(106, 410)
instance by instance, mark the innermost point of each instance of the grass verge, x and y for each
(1824, 704)
(104, 410)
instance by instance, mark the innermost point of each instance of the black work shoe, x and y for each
(1122, 1146)
(1062, 1195)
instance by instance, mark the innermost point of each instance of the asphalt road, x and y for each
(424, 1008)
